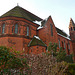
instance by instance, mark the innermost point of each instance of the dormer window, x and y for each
(3, 29)
(16, 28)
(27, 31)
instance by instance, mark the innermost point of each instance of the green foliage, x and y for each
(69, 58)
(70, 70)
(11, 63)
(52, 48)
(60, 54)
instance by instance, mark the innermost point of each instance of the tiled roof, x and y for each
(61, 32)
(20, 12)
(36, 41)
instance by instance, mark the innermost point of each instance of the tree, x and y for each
(12, 63)
(52, 48)
(60, 54)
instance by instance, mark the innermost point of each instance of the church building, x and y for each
(24, 31)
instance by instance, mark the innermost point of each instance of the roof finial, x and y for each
(17, 4)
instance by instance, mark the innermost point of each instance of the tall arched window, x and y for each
(64, 45)
(27, 31)
(51, 26)
(3, 28)
(69, 46)
(59, 42)
(71, 28)
(16, 28)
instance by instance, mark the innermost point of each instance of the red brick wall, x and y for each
(73, 44)
(20, 40)
(16, 43)
(45, 32)
(37, 49)
(3, 41)
(66, 41)
(45, 35)
(22, 25)
(72, 35)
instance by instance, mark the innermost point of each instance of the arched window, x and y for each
(16, 28)
(3, 28)
(69, 46)
(71, 28)
(64, 45)
(59, 42)
(27, 31)
(51, 26)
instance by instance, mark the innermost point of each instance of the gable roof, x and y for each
(36, 41)
(20, 12)
(61, 32)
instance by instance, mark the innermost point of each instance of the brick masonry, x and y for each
(20, 40)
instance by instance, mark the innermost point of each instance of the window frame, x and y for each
(64, 45)
(16, 28)
(3, 28)
(27, 31)
(59, 42)
(51, 27)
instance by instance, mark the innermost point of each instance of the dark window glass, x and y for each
(68, 48)
(3, 28)
(59, 42)
(16, 28)
(27, 31)
(74, 28)
(64, 45)
(51, 29)
(71, 28)
(12, 29)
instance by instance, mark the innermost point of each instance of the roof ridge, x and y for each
(21, 12)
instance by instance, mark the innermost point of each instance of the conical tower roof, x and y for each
(20, 12)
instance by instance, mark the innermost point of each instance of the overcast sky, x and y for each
(60, 10)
